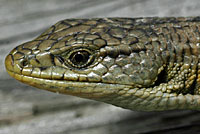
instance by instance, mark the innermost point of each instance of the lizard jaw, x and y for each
(80, 89)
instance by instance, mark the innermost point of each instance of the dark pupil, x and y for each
(80, 57)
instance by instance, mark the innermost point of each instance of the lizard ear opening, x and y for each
(162, 78)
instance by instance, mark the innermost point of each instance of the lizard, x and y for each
(143, 64)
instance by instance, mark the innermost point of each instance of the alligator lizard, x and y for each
(147, 64)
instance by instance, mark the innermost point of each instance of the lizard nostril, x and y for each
(24, 62)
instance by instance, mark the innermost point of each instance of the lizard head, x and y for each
(78, 57)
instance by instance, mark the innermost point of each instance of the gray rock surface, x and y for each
(26, 110)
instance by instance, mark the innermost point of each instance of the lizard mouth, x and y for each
(76, 88)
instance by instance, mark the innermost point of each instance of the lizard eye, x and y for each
(80, 58)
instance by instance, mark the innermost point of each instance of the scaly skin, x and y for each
(148, 64)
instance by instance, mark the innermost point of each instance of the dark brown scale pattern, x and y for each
(135, 63)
